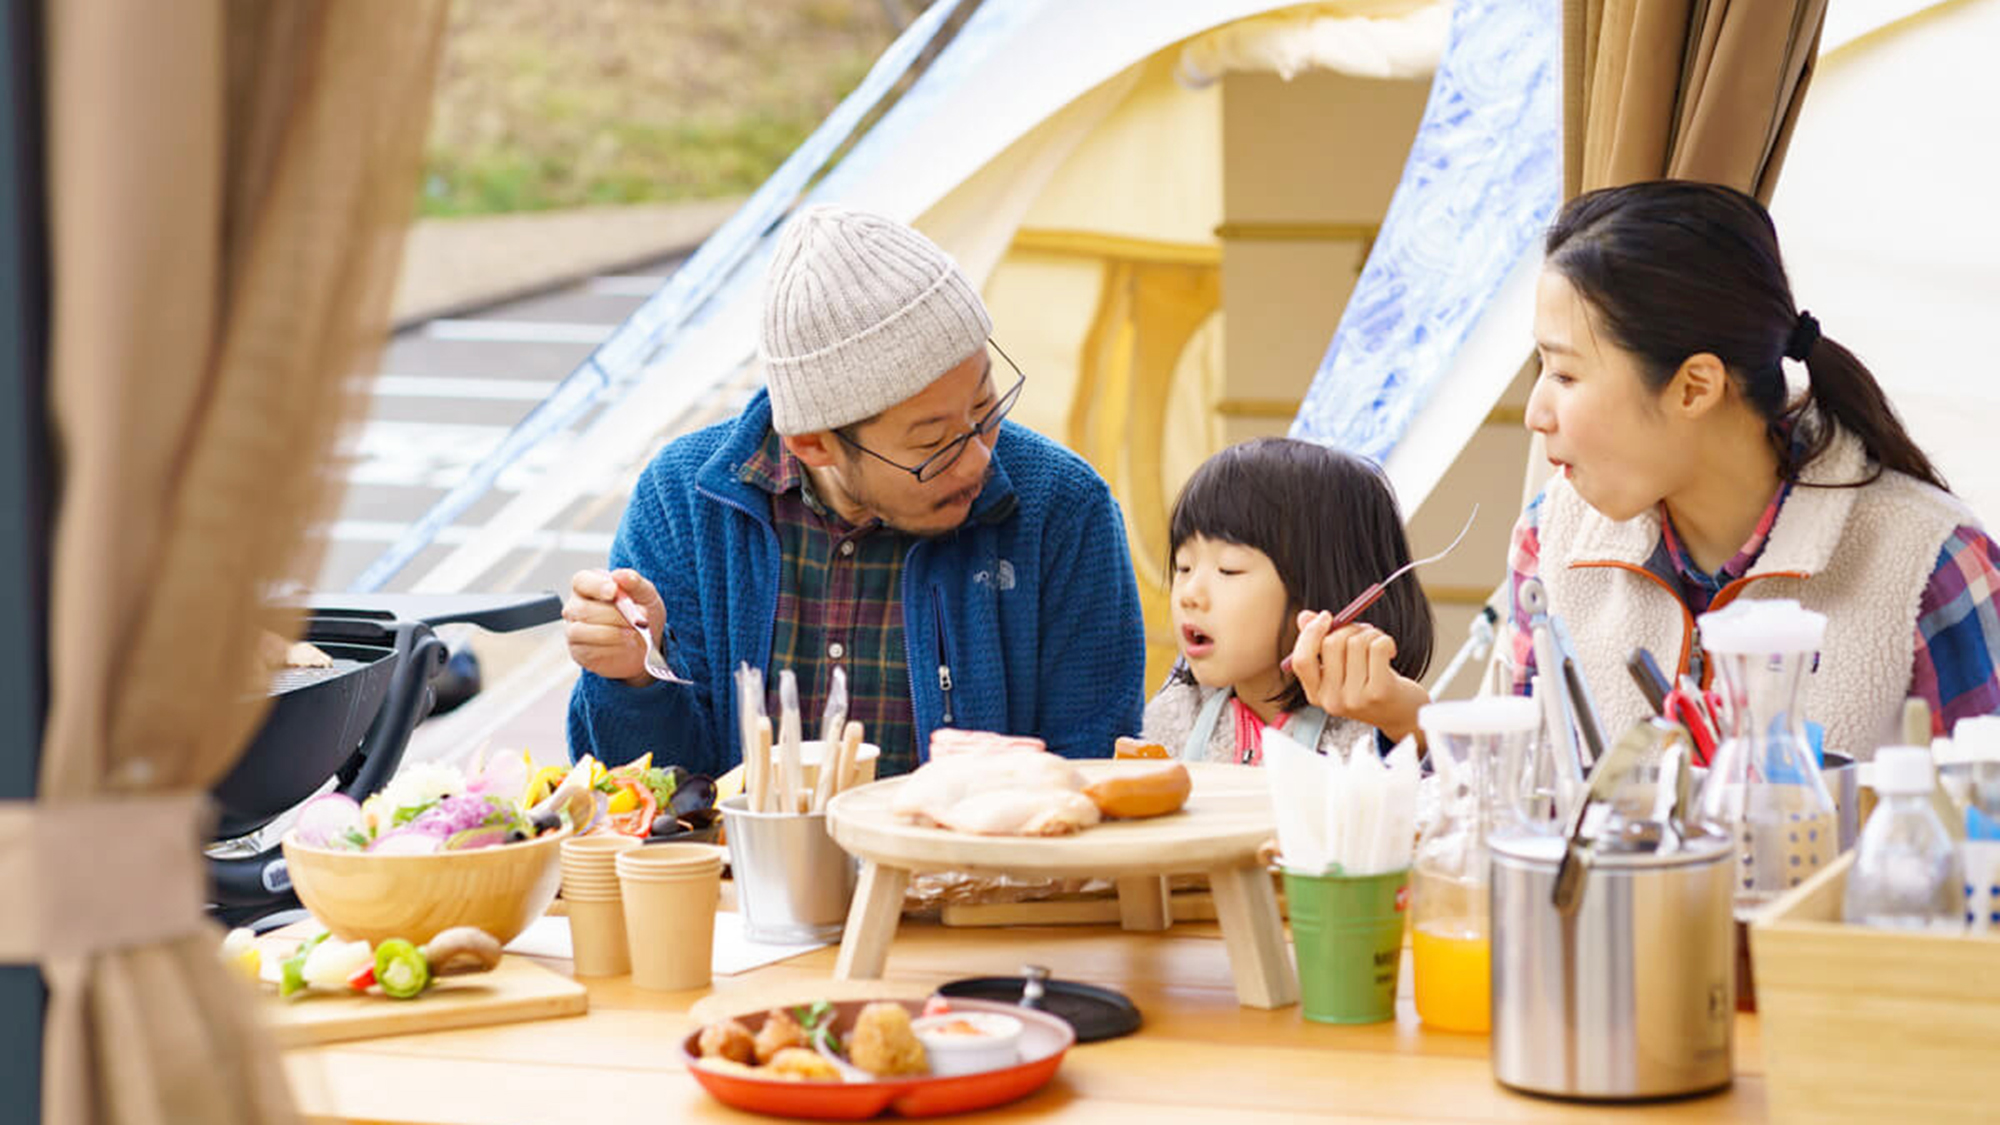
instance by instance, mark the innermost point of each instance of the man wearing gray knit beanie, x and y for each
(872, 512)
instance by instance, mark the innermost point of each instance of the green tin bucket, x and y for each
(1347, 933)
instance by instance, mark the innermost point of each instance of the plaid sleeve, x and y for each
(1957, 666)
(1524, 560)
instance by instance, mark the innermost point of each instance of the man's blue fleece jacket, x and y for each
(1031, 605)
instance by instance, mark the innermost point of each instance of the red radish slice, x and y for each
(325, 821)
(502, 775)
(406, 841)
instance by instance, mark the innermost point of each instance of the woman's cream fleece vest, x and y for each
(1862, 556)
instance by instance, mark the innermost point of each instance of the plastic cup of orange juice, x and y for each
(1453, 962)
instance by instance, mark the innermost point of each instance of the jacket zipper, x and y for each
(943, 652)
(1690, 631)
(771, 614)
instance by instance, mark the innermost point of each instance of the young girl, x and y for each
(1268, 539)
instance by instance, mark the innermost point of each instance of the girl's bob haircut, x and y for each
(1329, 523)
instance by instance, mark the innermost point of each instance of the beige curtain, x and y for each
(229, 181)
(1684, 89)
(1678, 89)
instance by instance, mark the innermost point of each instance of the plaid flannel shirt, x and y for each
(839, 604)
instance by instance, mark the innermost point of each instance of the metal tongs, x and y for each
(1653, 746)
(1567, 704)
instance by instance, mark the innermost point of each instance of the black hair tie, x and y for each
(1804, 335)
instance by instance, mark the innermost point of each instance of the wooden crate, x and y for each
(1869, 1025)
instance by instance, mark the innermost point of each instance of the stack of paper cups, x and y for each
(596, 907)
(670, 893)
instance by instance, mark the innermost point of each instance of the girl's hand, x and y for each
(1345, 672)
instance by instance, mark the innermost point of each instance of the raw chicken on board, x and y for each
(1009, 788)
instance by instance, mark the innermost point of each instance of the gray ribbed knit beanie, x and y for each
(860, 313)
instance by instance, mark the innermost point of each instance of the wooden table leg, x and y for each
(1247, 909)
(1143, 903)
(871, 922)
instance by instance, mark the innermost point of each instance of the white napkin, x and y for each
(1297, 778)
(1356, 815)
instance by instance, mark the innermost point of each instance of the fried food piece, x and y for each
(728, 1039)
(1134, 748)
(780, 1031)
(883, 1043)
(1142, 790)
(801, 1064)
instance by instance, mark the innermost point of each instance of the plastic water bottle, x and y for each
(1907, 874)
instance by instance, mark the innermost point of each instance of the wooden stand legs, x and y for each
(1246, 906)
(871, 922)
(1143, 903)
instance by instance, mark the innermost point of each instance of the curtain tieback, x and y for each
(85, 877)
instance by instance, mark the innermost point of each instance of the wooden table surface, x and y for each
(1199, 1057)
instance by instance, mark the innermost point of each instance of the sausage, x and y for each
(1150, 790)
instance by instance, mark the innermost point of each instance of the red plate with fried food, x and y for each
(1044, 1041)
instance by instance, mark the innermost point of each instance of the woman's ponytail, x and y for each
(1845, 391)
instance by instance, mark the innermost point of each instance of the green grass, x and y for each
(566, 103)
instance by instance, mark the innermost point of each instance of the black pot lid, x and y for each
(1096, 1013)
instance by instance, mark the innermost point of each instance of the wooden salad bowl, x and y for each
(367, 897)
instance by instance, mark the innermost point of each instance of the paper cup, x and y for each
(812, 753)
(668, 861)
(590, 847)
(593, 855)
(588, 868)
(670, 922)
(589, 890)
(597, 937)
(1347, 932)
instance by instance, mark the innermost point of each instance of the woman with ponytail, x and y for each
(1712, 442)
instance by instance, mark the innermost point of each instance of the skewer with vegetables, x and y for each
(399, 969)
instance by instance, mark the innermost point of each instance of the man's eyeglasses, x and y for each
(934, 466)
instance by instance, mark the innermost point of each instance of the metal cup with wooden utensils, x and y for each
(1374, 593)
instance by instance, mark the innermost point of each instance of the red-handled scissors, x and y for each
(1689, 709)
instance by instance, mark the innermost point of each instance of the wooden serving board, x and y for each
(1227, 817)
(1226, 821)
(519, 989)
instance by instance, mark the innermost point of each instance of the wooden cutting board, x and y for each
(519, 989)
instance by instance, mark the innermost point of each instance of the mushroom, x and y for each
(462, 949)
